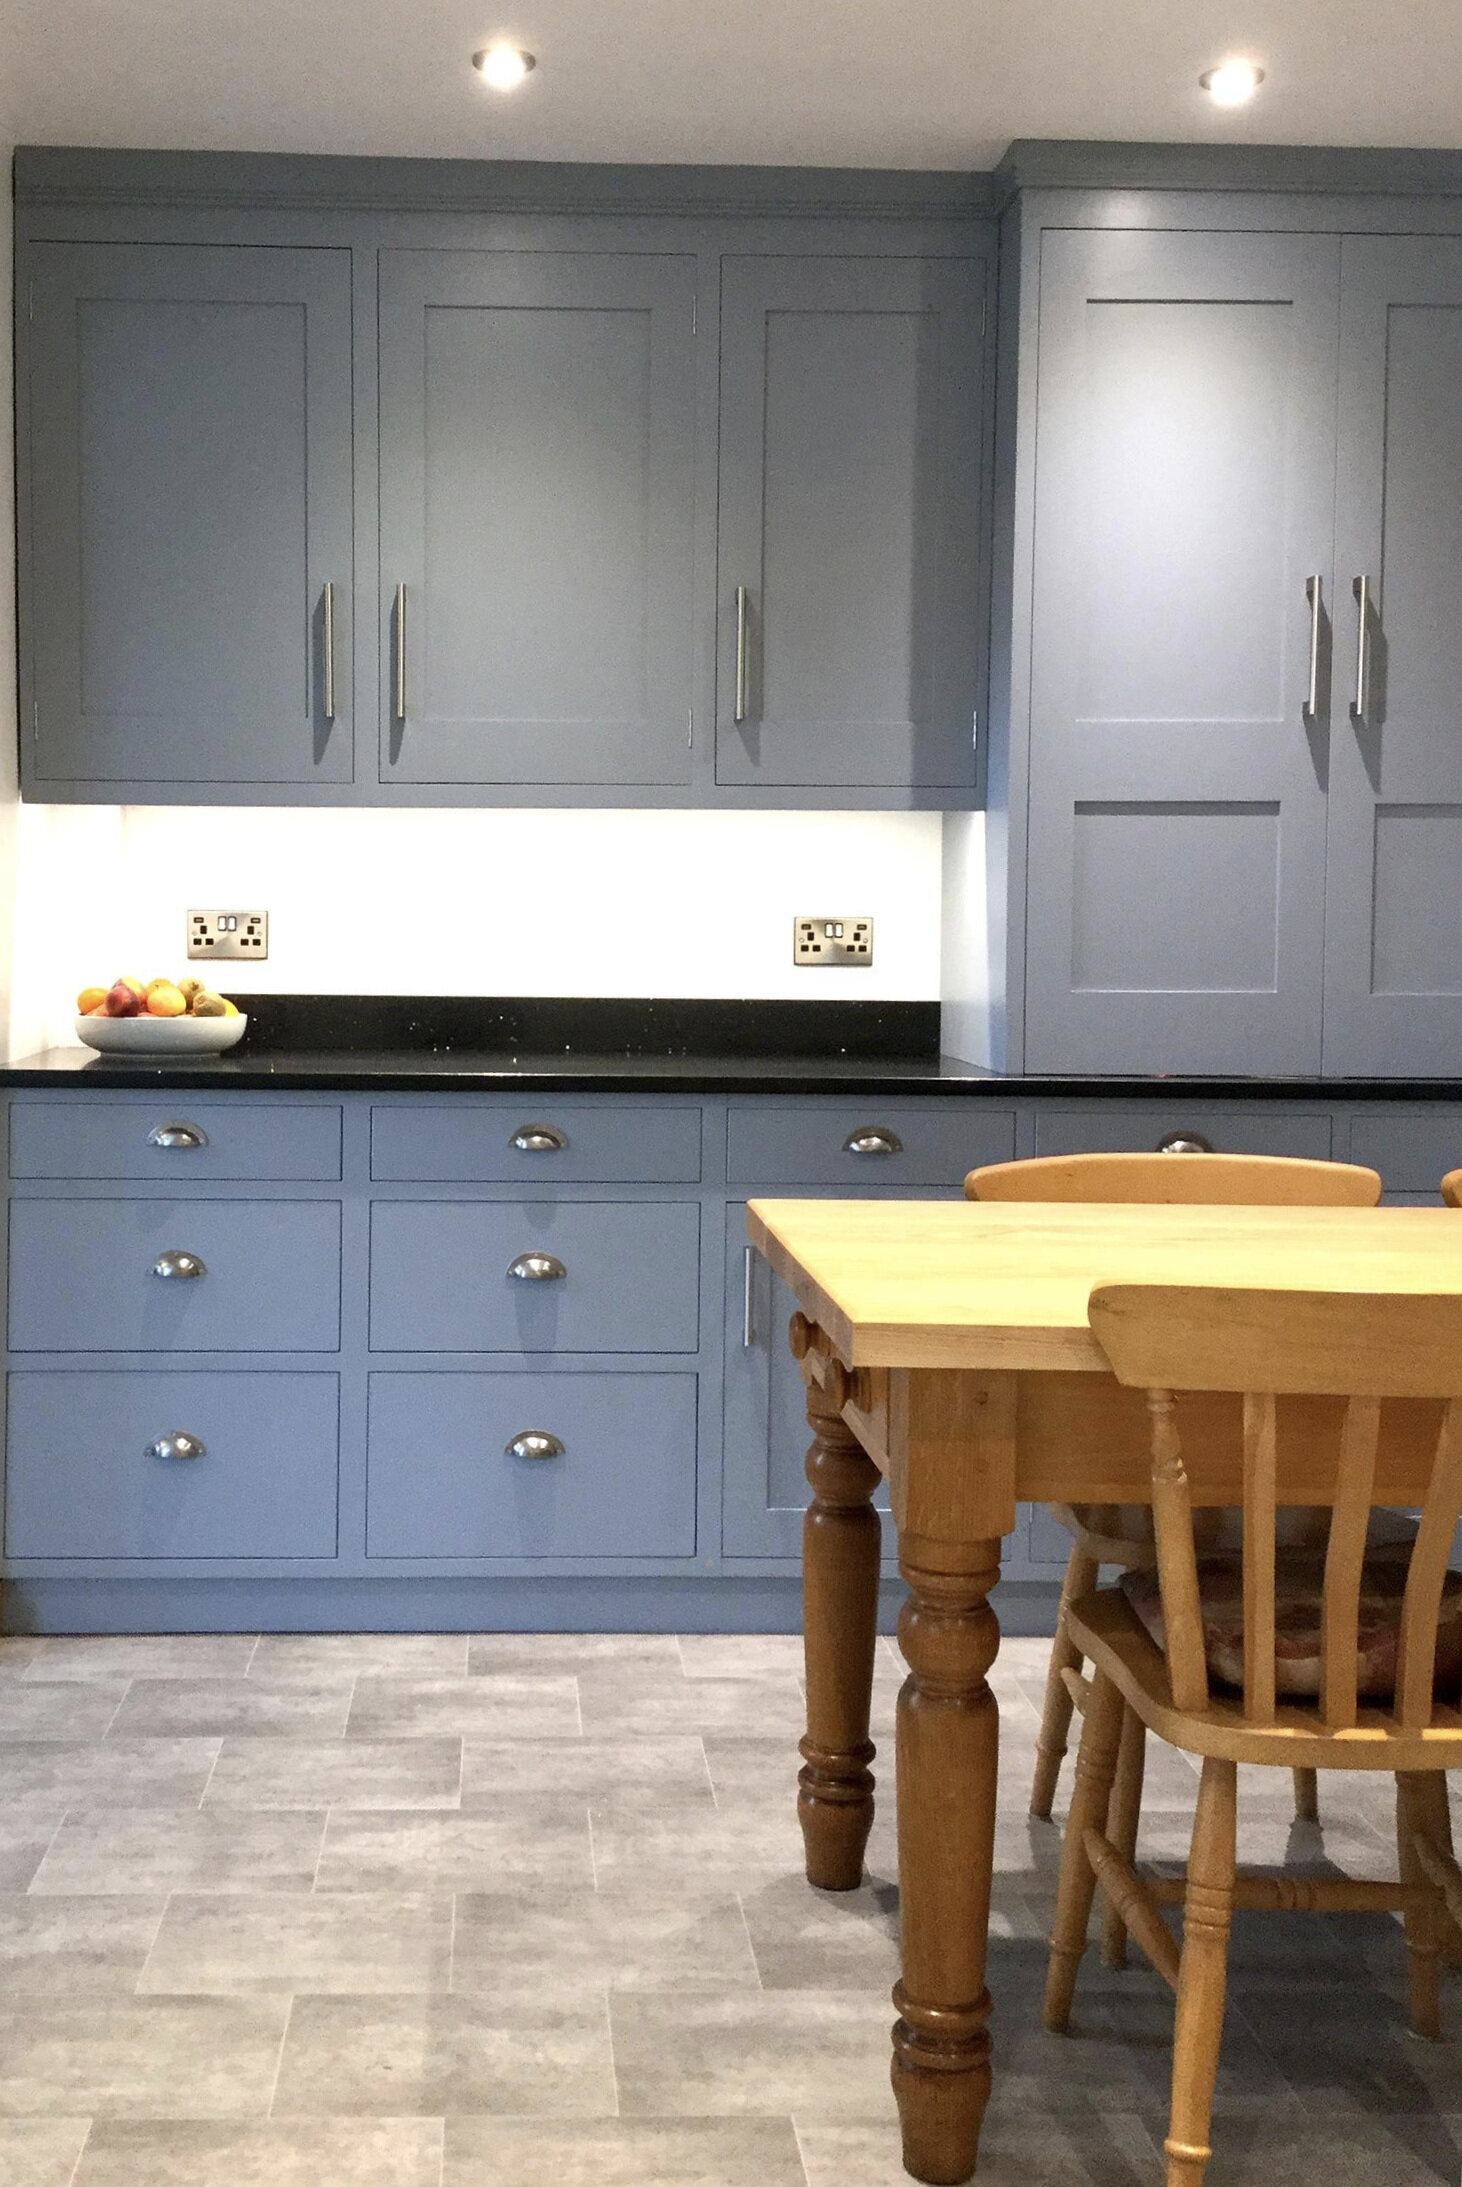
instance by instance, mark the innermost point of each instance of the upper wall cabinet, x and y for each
(850, 633)
(537, 505)
(186, 543)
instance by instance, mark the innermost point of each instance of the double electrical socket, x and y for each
(832, 941)
(228, 933)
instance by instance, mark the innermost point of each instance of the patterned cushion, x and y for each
(1298, 1582)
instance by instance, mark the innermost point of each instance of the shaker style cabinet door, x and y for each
(1393, 953)
(537, 477)
(1184, 497)
(187, 548)
(849, 625)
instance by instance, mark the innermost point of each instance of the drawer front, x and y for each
(1412, 1148)
(174, 1140)
(617, 1478)
(856, 1144)
(533, 1144)
(1140, 1127)
(85, 1476)
(440, 1281)
(83, 1276)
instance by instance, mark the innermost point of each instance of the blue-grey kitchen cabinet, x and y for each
(187, 562)
(850, 636)
(537, 507)
(1183, 501)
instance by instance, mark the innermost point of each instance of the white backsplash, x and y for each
(488, 902)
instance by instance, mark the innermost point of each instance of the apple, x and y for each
(122, 1001)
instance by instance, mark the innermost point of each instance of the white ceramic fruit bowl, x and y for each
(146, 1036)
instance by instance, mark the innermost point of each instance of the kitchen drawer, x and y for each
(440, 1281)
(533, 1143)
(1119, 1128)
(812, 1143)
(82, 1276)
(1412, 1148)
(443, 1482)
(208, 1142)
(83, 1478)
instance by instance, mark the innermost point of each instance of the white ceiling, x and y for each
(929, 83)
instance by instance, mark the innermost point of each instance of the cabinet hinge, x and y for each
(984, 315)
(30, 302)
(975, 729)
(35, 720)
(692, 315)
(690, 730)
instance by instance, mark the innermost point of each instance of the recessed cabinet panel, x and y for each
(1184, 496)
(1393, 958)
(173, 1139)
(851, 431)
(1117, 1128)
(190, 502)
(537, 461)
(535, 1143)
(855, 1145)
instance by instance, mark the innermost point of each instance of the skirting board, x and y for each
(449, 1605)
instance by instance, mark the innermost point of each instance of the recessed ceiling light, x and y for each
(1232, 83)
(503, 66)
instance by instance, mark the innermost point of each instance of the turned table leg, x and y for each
(948, 1733)
(841, 1548)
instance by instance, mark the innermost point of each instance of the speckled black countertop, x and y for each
(369, 1044)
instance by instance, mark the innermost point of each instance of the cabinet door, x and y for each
(537, 459)
(1393, 955)
(1184, 491)
(851, 403)
(189, 419)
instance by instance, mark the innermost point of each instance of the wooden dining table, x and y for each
(945, 1346)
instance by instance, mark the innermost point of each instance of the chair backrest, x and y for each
(1222, 1180)
(1362, 1347)
(1452, 1188)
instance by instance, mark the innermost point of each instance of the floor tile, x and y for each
(213, 1849)
(324, 2153)
(623, 2153)
(1398, 2151)
(140, 2057)
(394, 2056)
(332, 1656)
(823, 2054)
(40, 2152)
(747, 1770)
(568, 1653)
(57, 1709)
(626, 1772)
(693, 1848)
(629, 1703)
(17, 1650)
(543, 1837)
(371, 1942)
(359, 1773)
(235, 1707)
(65, 1946)
(824, 1940)
(122, 1656)
(26, 1830)
(742, 1655)
(506, 1706)
(533, 1943)
(1346, 2052)
(121, 1773)
(1095, 2149)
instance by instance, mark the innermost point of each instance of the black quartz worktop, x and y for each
(372, 1044)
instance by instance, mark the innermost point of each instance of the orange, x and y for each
(90, 1000)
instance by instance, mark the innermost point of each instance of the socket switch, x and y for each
(832, 941)
(228, 933)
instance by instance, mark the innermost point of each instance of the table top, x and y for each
(928, 1283)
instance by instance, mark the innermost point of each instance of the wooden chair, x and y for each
(1121, 1535)
(1366, 1350)
(1452, 1188)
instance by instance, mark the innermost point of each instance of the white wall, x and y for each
(473, 903)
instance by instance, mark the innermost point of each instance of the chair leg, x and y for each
(1203, 1976)
(1081, 1577)
(1423, 1923)
(1307, 1795)
(1090, 1797)
(1123, 1817)
(1438, 1827)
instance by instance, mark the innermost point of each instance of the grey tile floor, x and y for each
(440, 1911)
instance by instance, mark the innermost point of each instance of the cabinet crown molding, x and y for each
(1322, 170)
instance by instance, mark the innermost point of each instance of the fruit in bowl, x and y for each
(158, 1017)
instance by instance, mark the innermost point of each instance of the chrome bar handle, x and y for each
(537, 1268)
(748, 1325)
(1361, 705)
(742, 653)
(534, 1443)
(180, 1267)
(177, 1135)
(539, 1139)
(177, 1445)
(1313, 593)
(328, 632)
(401, 653)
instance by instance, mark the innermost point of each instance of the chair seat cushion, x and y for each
(1299, 1579)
